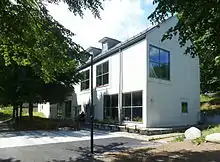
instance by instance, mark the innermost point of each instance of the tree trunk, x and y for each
(21, 111)
(30, 110)
(13, 115)
(16, 113)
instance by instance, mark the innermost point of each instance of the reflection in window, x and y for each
(102, 74)
(111, 106)
(85, 80)
(132, 106)
(159, 63)
(184, 106)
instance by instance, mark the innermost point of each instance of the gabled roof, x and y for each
(122, 45)
(107, 38)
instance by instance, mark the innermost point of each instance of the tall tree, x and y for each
(31, 37)
(198, 21)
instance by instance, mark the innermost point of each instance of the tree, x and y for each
(31, 37)
(198, 21)
(37, 53)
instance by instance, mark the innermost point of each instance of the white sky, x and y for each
(120, 19)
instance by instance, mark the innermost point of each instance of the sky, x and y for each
(120, 19)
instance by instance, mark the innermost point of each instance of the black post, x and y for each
(91, 106)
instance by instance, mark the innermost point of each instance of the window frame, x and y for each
(109, 107)
(149, 62)
(131, 107)
(102, 74)
(84, 80)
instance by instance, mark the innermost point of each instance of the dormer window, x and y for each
(108, 43)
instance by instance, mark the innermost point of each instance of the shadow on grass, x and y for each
(182, 155)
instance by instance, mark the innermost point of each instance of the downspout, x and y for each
(147, 72)
(120, 87)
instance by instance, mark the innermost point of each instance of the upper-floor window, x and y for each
(102, 74)
(159, 63)
(85, 80)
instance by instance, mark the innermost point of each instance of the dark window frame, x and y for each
(109, 108)
(132, 106)
(85, 80)
(159, 63)
(102, 74)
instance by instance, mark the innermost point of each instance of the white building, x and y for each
(152, 82)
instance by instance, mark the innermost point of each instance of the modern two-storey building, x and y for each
(149, 81)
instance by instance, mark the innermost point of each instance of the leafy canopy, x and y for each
(31, 37)
(198, 21)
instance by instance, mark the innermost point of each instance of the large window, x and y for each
(85, 80)
(159, 60)
(111, 106)
(132, 106)
(102, 74)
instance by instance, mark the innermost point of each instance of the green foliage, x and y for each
(179, 138)
(211, 129)
(38, 58)
(198, 21)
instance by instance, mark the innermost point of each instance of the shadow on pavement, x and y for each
(182, 155)
(51, 134)
(9, 160)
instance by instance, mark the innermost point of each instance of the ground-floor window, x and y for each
(111, 106)
(59, 110)
(132, 106)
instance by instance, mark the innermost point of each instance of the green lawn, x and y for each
(210, 105)
(6, 113)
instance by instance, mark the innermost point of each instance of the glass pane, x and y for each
(99, 81)
(107, 112)
(86, 76)
(106, 101)
(165, 72)
(105, 67)
(105, 79)
(114, 113)
(82, 85)
(127, 113)
(164, 56)
(126, 99)
(184, 107)
(98, 70)
(154, 70)
(68, 108)
(137, 98)
(114, 100)
(137, 114)
(154, 54)
(86, 84)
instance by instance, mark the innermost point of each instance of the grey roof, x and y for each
(120, 46)
(108, 38)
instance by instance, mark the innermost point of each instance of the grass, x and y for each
(6, 113)
(210, 105)
(179, 138)
(208, 131)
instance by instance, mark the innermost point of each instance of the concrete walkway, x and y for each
(30, 138)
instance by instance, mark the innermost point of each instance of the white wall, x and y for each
(164, 97)
(44, 108)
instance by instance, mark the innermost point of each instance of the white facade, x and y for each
(129, 67)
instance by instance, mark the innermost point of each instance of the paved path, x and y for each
(62, 146)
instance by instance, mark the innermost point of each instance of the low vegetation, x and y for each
(39, 123)
(210, 104)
